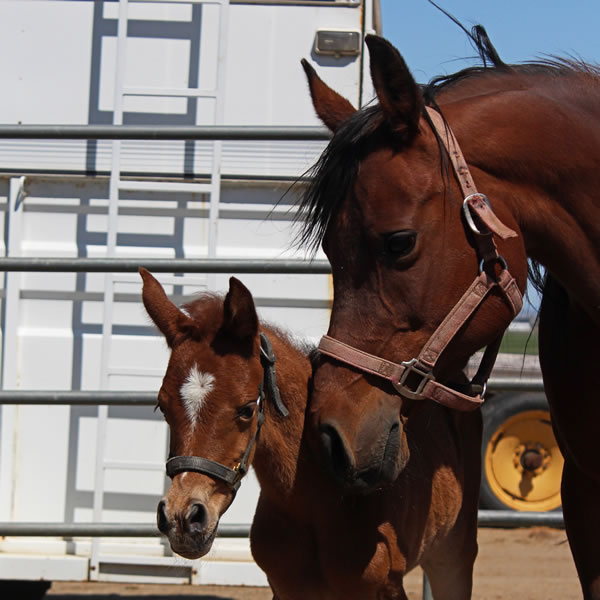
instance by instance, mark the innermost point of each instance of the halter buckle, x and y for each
(414, 370)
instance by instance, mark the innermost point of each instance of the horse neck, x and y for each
(536, 154)
(279, 444)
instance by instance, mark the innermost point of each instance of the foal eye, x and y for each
(400, 243)
(246, 412)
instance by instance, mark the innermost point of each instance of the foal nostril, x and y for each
(334, 450)
(197, 517)
(161, 517)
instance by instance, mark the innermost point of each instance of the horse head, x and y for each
(210, 398)
(389, 214)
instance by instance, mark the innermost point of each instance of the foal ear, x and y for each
(399, 95)
(239, 313)
(165, 315)
(331, 108)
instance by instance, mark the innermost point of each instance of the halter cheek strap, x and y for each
(233, 476)
(414, 379)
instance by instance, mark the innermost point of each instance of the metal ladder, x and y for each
(118, 185)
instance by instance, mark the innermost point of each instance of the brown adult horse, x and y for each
(312, 542)
(389, 212)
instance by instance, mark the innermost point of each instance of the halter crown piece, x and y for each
(414, 379)
(233, 476)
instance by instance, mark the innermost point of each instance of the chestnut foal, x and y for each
(227, 410)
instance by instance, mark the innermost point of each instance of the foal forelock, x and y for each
(194, 391)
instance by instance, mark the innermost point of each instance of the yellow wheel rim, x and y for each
(523, 464)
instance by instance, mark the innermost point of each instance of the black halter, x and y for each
(233, 477)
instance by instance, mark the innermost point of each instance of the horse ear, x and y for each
(165, 315)
(331, 108)
(399, 95)
(239, 313)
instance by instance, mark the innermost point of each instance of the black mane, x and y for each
(335, 172)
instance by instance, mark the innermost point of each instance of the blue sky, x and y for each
(521, 30)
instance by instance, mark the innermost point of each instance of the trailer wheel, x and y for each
(522, 464)
(23, 590)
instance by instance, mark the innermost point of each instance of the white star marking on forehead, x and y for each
(194, 391)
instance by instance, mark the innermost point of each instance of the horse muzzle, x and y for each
(190, 532)
(376, 463)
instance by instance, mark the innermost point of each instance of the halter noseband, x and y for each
(233, 476)
(414, 379)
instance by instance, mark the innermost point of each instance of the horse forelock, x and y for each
(206, 309)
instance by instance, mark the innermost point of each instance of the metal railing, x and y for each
(165, 265)
(94, 398)
(163, 132)
(486, 518)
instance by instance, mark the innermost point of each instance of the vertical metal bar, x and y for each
(10, 350)
(219, 112)
(115, 171)
(427, 594)
(111, 244)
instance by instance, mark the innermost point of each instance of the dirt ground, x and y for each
(528, 564)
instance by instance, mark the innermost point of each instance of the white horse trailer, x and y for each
(95, 62)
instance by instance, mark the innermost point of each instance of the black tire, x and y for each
(23, 590)
(502, 453)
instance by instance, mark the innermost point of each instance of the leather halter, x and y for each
(414, 379)
(233, 476)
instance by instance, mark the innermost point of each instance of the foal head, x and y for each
(210, 400)
(389, 219)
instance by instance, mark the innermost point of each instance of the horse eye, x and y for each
(400, 243)
(246, 412)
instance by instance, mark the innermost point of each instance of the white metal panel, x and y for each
(48, 568)
(229, 573)
(42, 444)
(47, 77)
(266, 44)
(10, 364)
(264, 81)
(60, 315)
(276, 159)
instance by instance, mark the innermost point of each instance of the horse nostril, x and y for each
(393, 441)
(334, 450)
(161, 517)
(197, 517)
(390, 454)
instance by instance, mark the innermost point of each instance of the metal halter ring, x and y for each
(498, 259)
(484, 390)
